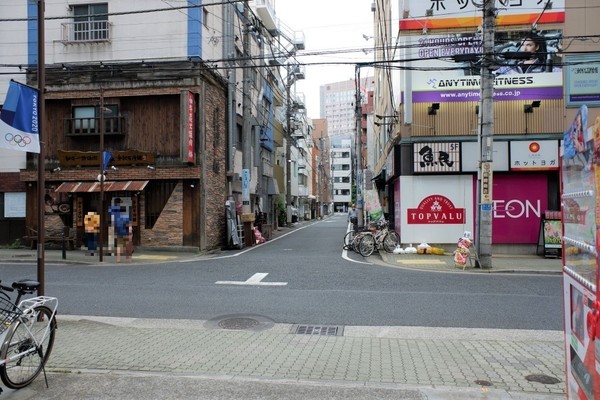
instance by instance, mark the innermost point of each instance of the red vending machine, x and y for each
(580, 183)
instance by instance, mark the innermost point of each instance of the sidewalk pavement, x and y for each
(252, 357)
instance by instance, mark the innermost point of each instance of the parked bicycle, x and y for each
(354, 241)
(385, 237)
(27, 329)
(378, 236)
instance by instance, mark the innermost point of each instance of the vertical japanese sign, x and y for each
(486, 182)
(246, 187)
(190, 128)
(19, 124)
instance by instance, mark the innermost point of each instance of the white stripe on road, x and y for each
(254, 280)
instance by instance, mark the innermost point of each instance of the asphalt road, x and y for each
(303, 278)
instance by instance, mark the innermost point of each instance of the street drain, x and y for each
(481, 382)
(237, 323)
(544, 379)
(321, 330)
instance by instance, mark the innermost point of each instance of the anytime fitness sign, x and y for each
(436, 209)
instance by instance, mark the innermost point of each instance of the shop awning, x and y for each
(109, 186)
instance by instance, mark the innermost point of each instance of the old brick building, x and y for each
(164, 125)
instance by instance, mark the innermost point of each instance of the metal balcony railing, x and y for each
(86, 31)
(91, 126)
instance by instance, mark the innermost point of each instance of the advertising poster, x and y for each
(373, 206)
(582, 84)
(447, 67)
(550, 237)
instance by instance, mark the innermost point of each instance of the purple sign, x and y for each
(519, 201)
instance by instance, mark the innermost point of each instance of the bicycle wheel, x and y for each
(366, 246)
(390, 241)
(20, 372)
(356, 241)
(348, 240)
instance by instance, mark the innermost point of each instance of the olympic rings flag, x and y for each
(19, 127)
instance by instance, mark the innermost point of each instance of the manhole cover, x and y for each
(253, 322)
(318, 330)
(481, 382)
(238, 323)
(540, 378)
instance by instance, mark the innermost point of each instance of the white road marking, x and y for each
(254, 280)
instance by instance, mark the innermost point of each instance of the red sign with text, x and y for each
(190, 128)
(436, 209)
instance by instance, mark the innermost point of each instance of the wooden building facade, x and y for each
(162, 127)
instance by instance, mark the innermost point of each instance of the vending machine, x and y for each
(580, 188)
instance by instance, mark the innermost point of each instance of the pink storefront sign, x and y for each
(519, 202)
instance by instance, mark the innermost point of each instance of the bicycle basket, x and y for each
(8, 313)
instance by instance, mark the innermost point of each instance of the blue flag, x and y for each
(106, 159)
(19, 126)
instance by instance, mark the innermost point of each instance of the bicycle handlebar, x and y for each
(6, 288)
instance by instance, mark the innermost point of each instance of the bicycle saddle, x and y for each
(26, 285)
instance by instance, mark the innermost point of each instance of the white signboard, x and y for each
(534, 155)
(470, 156)
(415, 190)
(14, 205)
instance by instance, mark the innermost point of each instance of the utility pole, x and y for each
(228, 49)
(101, 178)
(358, 149)
(486, 138)
(41, 189)
(288, 145)
(247, 126)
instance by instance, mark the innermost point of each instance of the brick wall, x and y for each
(167, 229)
(11, 182)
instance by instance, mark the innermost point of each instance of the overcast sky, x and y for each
(328, 26)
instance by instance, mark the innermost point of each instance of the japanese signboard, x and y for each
(432, 14)
(436, 157)
(90, 158)
(534, 155)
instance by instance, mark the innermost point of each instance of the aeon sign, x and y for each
(516, 208)
(436, 209)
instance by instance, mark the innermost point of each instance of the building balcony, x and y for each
(85, 32)
(266, 12)
(91, 126)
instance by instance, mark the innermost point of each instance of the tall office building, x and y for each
(337, 104)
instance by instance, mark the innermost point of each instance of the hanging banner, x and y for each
(19, 125)
(372, 205)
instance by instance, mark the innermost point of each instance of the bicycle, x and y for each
(360, 242)
(386, 237)
(27, 330)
